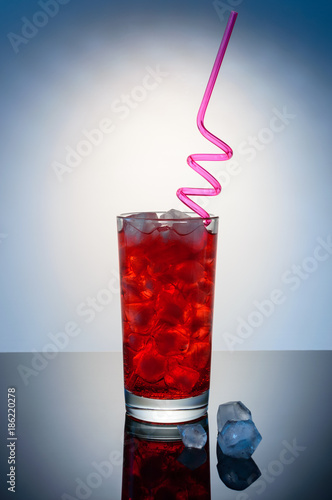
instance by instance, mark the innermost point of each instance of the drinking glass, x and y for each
(167, 274)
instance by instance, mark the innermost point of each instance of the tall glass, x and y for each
(167, 273)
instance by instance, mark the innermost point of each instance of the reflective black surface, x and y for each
(70, 425)
(157, 465)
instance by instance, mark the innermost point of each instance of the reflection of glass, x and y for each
(236, 473)
(167, 271)
(157, 466)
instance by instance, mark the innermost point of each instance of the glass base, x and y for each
(166, 410)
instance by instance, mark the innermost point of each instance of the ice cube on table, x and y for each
(233, 410)
(239, 439)
(193, 435)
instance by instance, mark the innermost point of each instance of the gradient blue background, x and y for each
(58, 243)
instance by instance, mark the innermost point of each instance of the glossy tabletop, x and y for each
(70, 424)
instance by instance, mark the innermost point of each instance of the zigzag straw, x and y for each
(182, 193)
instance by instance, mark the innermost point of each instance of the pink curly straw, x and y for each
(182, 193)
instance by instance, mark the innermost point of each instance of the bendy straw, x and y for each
(183, 193)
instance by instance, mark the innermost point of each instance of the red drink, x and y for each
(161, 468)
(167, 273)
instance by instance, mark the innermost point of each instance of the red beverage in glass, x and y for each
(167, 270)
(157, 466)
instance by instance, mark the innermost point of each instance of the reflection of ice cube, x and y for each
(193, 435)
(236, 473)
(234, 410)
(239, 439)
(193, 458)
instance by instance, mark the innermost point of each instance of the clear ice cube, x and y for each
(180, 225)
(239, 439)
(136, 225)
(233, 410)
(166, 231)
(193, 435)
(185, 227)
(182, 378)
(174, 214)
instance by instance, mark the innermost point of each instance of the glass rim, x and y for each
(189, 215)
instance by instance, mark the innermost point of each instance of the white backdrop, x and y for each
(99, 105)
